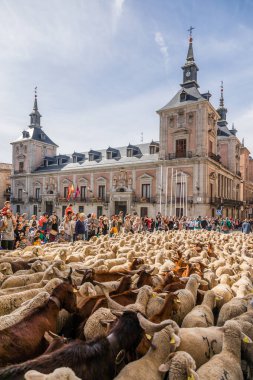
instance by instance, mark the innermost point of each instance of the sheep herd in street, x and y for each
(174, 305)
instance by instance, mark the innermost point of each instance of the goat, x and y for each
(16, 344)
(101, 358)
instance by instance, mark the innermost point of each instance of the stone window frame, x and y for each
(84, 182)
(65, 184)
(177, 177)
(37, 185)
(182, 136)
(146, 179)
(101, 181)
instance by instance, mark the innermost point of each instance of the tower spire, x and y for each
(190, 68)
(35, 115)
(222, 111)
(35, 106)
(190, 56)
(221, 95)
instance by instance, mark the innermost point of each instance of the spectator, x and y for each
(9, 225)
(80, 227)
(53, 232)
(246, 227)
(43, 222)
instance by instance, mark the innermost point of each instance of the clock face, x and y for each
(188, 73)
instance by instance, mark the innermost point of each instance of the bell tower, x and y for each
(30, 149)
(190, 68)
(35, 115)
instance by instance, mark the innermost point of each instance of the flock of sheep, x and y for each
(197, 285)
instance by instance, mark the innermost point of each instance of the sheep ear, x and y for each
(165, 367)
(176, 300)
(203, 282)
(149, 337)
(106, 322)
(246, 338)
(202, 292)
(184, 279)
(175, 340)
(192, 375)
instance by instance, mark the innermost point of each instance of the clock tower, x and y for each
(190, 68)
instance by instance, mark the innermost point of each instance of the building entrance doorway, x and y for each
(120, 206)
(49, 207)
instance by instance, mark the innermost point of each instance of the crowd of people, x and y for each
(18, 231)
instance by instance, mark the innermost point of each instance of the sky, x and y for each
(104, 67)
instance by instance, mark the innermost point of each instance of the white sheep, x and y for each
(10, 302)
(202, 315)
(98, 324)
(25, 309)
(226, 364)
(63, 373)
(180, 366)
(147, 367)
(187, 297)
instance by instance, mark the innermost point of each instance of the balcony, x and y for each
(214, 157)
(87, 200)
(35, 199)
(177, 200)
(19, 171)
(144, 200)
(216, 201)
(174, 156)
(239, 173)
(17, 201)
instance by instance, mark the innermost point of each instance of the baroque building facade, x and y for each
(5, 182)
(198, 166)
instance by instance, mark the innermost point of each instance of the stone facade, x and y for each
(5, 183)
(198, 167)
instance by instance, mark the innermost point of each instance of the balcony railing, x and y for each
(214, 157)
(19, 171)
(88, 200)
(217, 201)
(35, 199)
(177, 199)
(173, 156)
(144, 199)
(17, 200)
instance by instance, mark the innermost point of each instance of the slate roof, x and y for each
(144, 157)
(224, 131)
(192, 96)
(35, 134)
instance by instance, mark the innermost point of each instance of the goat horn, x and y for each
(53, 335)
(117, 313)
(111, 303)
(151, 327)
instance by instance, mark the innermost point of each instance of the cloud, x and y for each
(117, 13)
(159, 39)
